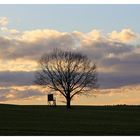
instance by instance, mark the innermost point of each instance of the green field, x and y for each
(80, 120)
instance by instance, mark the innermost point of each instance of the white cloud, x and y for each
(4, 21)
(126, 35)
(38, 34)
(10, 31)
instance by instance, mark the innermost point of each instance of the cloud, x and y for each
(10, 31)
(106, 80)
(32, 95)
(16, 78)
(18, 65)
(114, 57)
(10, 93)
(32, 44)
(126, 35)
(4, 21)
(38, 34)
(117, 79)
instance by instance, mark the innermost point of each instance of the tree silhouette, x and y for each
(68, 72)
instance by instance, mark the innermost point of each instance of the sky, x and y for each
(107, 34)
(72, 17)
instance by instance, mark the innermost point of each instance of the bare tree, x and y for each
(68, 72)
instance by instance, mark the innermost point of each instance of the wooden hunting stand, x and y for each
(51, 100)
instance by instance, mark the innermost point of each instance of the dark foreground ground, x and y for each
(80, 120)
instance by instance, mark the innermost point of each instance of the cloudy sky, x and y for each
(108, 34)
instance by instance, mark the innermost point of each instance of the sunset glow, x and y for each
(110, 38)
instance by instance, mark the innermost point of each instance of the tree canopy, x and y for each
(68, 72)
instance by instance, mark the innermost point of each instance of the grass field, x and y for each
(80, 120)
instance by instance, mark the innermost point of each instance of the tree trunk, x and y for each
(68, 102)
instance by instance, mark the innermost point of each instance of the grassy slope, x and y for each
(80, 120)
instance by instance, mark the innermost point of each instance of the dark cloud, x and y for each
(101, 49)
(105, 80)
(117, 80)
(8, 78)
